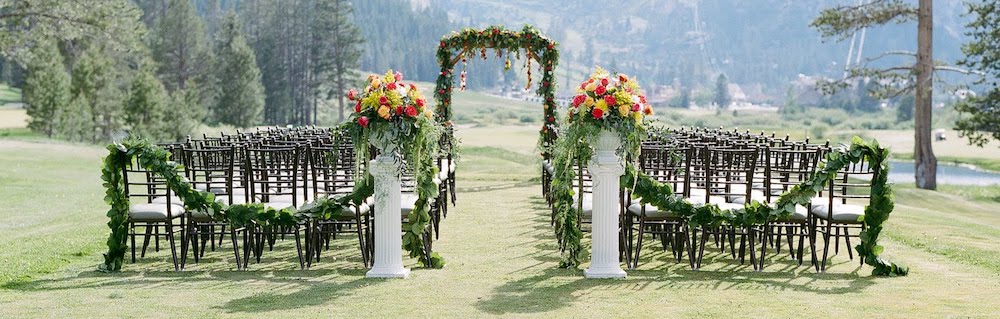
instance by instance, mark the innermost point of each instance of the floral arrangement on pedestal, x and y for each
(394, 117)
(606, 104)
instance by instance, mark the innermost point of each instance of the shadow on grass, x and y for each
(553, 288)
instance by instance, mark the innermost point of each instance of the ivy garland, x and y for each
(459, 46)
(649, 191)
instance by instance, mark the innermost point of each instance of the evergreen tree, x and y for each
(866, 97)
(146, 107)
(47, 88)
(179, 46)
(181, 117)
(241, 95)
(685, 97)
(722, 98)
(343, 45)
(982, 113)
(94, 87)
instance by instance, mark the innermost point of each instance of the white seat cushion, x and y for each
(588, 204)
(153, 211)
(800, 214)
(754, 195)
(846, 213)
(651, 211)
(163, 200)
(288, 198)
(442, 175)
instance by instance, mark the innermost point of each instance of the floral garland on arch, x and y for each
(395, 118)
(605, 102)
(528, 43)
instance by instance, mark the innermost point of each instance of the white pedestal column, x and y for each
(388, 229)
(606, 170)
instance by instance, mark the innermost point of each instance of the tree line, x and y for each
(161, 68)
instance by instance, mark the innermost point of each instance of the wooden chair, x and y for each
(156, 208)
(836, 212)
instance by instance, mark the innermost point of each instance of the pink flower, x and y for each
(357, 107)
(604, 82)
(411, 111)
(363, 121)
(383, 100)
(413, 86)
(642, 99)
(610, 99)
(600, 90)
(579, 99)
(635, 107)
(583, 86)
(398, 76)
(352, 94)
(597, 113)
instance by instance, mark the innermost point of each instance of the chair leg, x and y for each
(826, 246)
(638, 246)
(298, 248)
(173, 247)
(145, 241)
(236, 249)
(836, 241)
(847, 240)
(132, 236)
(156, 238)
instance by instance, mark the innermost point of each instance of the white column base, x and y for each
(400, 272)
(606, 169)
(388, 226)
(611, 272)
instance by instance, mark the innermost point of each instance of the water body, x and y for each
(902, 172)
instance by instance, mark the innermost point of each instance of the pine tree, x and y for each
(982, 113)
(241, 95)
(94, 87)
(47, 88)
(179, 45)
(722, 98)
(146, 107)
(342, 44)
(181, 117)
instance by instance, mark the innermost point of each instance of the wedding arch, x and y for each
(461, 46)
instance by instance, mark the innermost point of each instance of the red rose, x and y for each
(610, 99)
(399, 110)
(604, 82)
(411, 111)
(442, 44)
(363, 121)
(441, 91)
(600, 90)
(635, 107)
(352, 94)
(496, 31)
(383, 100)
(398, 76)
(622, 78)
(357, 107)
(552, 46)
(597, 113)
(421, 102)
(391, 86)
(579, 99)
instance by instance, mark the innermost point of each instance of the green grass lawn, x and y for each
(502, 258)
(9, 96)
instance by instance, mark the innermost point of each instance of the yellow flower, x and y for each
(591, 87)
(383, 111)
(623, 110)
(376, 82)
(589, 102)
(638, 117)
(428, 113)
(389, 77)
(601, 105)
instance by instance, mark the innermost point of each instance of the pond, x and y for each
(902, 172)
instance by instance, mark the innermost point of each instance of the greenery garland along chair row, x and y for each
(588, 117)
(156, 160)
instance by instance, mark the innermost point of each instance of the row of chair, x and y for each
(278, 168)
(728, 169)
